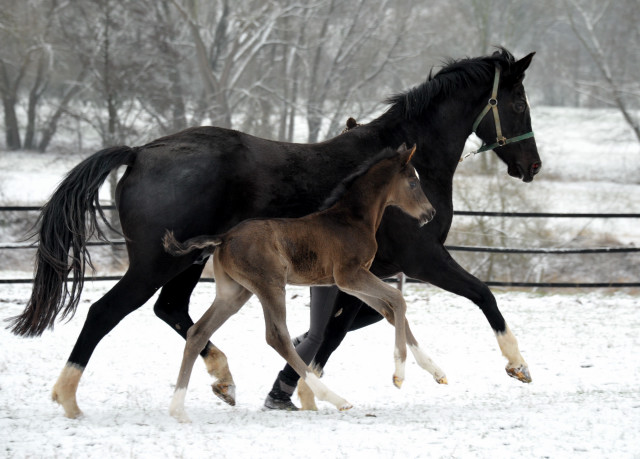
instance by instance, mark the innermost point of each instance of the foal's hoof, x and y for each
(180, 416)
(442, 380)
(225, 392)
(345, 407)
(520, 373)
(397, 381)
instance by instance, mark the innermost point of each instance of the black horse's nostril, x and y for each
(535, 167)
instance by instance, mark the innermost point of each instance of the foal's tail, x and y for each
(175, 248)
(65, 224)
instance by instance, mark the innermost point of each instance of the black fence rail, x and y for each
(452, 248)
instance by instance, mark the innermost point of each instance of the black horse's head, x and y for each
(505, 122)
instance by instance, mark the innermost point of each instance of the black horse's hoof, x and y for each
(271, 403)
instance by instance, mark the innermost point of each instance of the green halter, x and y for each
(493, 106)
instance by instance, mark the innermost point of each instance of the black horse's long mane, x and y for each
(339, 191)
(455, 73)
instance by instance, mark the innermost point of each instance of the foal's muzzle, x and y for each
(427, 216)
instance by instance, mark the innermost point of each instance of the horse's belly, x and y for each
(302, 279)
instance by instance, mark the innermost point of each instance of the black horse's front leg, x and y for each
(444, 272)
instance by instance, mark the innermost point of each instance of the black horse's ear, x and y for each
(517, 69)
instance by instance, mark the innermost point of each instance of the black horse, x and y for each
(205, 180)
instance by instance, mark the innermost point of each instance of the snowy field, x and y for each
(584, 400)
(582, 348)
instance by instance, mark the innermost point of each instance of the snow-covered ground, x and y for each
(582, 348)
(584, 400)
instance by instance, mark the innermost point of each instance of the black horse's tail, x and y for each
(175, 248)
(65, 224)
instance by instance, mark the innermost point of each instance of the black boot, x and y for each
(280, 397)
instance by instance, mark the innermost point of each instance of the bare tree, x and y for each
(24, 63)
(228, 41)
(350, 47)
(602, 27)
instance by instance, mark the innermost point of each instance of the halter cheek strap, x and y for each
(492, 105)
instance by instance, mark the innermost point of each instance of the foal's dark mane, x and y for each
(463, 72)
(344, 186)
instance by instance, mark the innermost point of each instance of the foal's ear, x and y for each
(413, 150)
(403, 150)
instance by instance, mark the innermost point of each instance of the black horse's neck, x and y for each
(438, 117)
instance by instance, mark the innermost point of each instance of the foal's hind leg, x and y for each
(277, 334)
(173, 308)
(229, 299)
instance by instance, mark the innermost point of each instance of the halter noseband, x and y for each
(492, 105)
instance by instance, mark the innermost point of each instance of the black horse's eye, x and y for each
(520, 107)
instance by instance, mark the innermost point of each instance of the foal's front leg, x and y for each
(423, 359)
(274, 307)
(388, 301)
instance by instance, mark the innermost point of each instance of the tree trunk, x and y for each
(12, 131)
(9, 100)
(34, 97)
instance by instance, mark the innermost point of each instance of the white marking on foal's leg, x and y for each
(64, 390)
(176, 408)
(517, 367)
(398, 376)
(425, 362)
(305, 394)
(218, 367)
(324, 393)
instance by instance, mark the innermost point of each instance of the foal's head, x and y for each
(406, 191)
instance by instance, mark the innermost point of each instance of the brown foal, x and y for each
(333, 246)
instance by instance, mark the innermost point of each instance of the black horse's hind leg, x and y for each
(126, 296)
(444, 272)
(172, 307)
